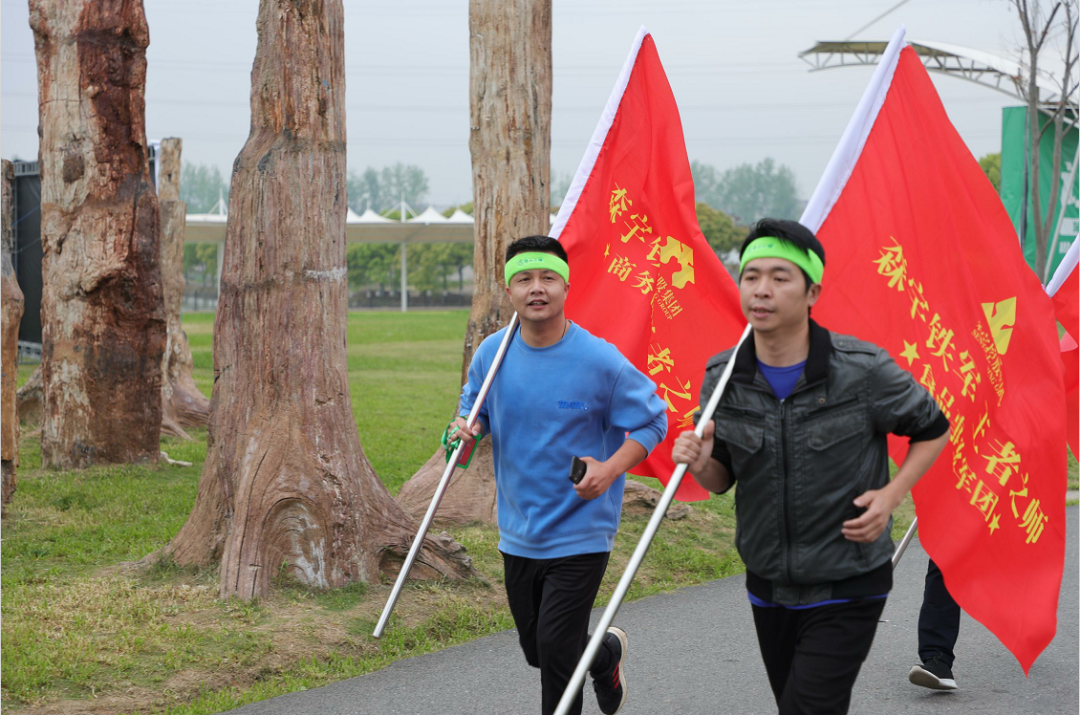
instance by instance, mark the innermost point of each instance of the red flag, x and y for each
(923, 261)
(642, 275)
(1065, 292)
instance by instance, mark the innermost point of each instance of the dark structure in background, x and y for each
(26, 257)
(28, 253)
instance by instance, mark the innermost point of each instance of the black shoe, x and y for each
(610, 687)
(933, 674)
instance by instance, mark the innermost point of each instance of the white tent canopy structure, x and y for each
(989, 70)
(369, 227)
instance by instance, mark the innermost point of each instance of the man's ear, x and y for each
(813, 294)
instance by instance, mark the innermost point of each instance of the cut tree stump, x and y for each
(510, 143)
(103, 329)
(286, 489)
(473, 490)
(641, 500)
(182, 404)
(12, 309)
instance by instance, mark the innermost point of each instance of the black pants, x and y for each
(813, 655)
(939, 619)
(551, 600)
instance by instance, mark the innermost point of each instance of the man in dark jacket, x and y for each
(802, 433)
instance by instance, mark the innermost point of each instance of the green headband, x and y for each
(771, 247)
(534, 261)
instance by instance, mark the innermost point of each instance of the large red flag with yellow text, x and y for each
(641, 274)
(923, 260)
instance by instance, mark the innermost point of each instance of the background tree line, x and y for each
(431, 266)
(727, 203)
(201, 187)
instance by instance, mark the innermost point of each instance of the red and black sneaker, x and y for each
(610, 686)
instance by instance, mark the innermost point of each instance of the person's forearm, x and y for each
(880, 503)
(626, 457)
(601, 475)
(920, 457)
(713, 476)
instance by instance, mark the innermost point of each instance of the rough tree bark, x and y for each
(12, 310)
(182, 405)
(510, 143)
(103, 330)
(286, 488)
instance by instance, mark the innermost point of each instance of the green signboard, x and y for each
(1015, 184)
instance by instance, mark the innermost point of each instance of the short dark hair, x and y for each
(536, 244)
(790, 231)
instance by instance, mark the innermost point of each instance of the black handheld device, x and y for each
(577, 470)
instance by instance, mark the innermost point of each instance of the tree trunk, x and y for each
(286, 488)
(29, 399)
(510, 143)
(182, 405)
(103, 330)
(1034, 140)
(1038, 25)
(12, 310)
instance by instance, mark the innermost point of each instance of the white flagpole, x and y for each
(1065, 267)
(584, 169)
(444, 482)
(899, 553)
(578, 679)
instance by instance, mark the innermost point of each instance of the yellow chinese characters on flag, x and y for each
(950, 364)
(922, 260)
(642, 275)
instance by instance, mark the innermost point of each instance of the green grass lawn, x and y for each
(404, 379)
(81, 632)
(78, 627)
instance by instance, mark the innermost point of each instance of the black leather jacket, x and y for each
(799, 463)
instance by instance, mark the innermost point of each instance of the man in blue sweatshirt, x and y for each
(559, 393)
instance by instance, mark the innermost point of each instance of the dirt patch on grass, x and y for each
(123, 641)
(116, 642)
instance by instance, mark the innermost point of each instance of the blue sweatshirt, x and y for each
(579, 397)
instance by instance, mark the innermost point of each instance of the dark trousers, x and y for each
(939, 619)
(550, 600)
(813, 655)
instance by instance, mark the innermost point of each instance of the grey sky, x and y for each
(743, 93)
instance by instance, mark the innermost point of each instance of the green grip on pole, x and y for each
(451, 446)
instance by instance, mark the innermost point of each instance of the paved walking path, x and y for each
(694, 651)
